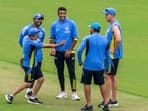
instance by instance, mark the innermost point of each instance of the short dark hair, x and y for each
(61, 8)
(96, 30)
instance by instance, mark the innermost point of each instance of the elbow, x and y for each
(118, 40)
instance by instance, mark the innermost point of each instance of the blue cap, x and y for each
(33, 31)
(110, 11)
(38, 16)
(95, 25)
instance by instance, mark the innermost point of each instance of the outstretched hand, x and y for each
(63, 42)
(52, 52)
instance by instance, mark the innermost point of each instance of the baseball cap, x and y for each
(38, 16)
(33, 31)
(110, 11)
(95, 25)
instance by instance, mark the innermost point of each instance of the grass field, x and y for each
(12, 75)
(133, 82)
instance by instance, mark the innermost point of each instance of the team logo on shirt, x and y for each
(67, 30)
(57, 29)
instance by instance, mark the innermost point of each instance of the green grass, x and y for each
(132, 71)
(14, 75)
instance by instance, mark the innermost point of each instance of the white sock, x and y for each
(28, 90)
(11, 95)
(32, 97)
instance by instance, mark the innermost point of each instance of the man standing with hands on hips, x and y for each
(64, 29)
(115, 52)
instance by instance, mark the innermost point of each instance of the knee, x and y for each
(41, 80)
(27, 85)
(107, 77)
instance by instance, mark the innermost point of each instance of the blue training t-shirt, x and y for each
(64, 30)
(95, 46)
(41, 36)
(28, 47)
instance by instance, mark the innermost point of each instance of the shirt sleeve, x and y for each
(37, 43)
(80, 50)
(20, 40)
(42, 34)
(22, 34)
(74, 32)
(52, 32)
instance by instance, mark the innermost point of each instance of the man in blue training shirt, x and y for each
(30, 44)
(115, 51)
(93, 65)
(37, 22)
(64, 29)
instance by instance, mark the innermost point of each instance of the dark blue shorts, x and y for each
(111, 68)
(98, 77)
(36, 71)
(32, 74)
(28, 74)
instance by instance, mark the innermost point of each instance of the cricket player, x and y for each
(31, 44)
(64, 29)
(37, 23)
(93, 66)
(115, 50)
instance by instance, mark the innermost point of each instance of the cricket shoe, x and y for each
(113, 103)
(62, 95)
(87, 108)
(9, 98)
(28, 94)
(33, 101)
(105, 108)
(75, 97)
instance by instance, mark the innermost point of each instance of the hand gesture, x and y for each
(62, 42)
(52, 52)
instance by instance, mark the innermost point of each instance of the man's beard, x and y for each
(91, 32)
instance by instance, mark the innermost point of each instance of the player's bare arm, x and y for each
(117, 35)
(54, 45)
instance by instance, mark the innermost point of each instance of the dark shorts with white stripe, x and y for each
(32, 74)
(36, 71)
(28, 75)
(111, 69)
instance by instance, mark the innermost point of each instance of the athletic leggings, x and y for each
(70, 62)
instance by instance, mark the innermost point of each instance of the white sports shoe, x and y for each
(28, 94)
(62, 95)
(75, 97)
